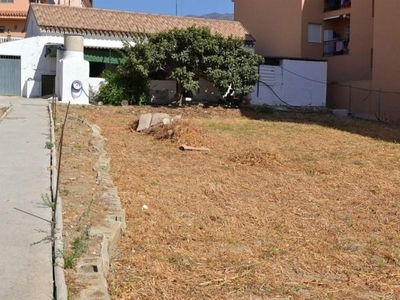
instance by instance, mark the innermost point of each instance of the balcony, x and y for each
(336, 47)
(4, 39)
(336, 4)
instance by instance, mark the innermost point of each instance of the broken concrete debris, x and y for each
(186, 148)
(149, 120)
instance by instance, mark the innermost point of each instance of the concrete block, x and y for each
(144, 122)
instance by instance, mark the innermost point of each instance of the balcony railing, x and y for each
(336, 47)
(336, 4)
(4, 39)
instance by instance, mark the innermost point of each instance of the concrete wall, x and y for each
(355, 96)
(294, 82)
(162, 91)
(207, 91)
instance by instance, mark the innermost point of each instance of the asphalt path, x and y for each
(25, 219)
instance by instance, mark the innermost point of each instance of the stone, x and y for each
(144, 122)
(158, 118)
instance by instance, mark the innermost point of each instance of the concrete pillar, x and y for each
(73, 73)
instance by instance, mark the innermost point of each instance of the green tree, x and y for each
(229, 63)
(185, 55)
(130, 81)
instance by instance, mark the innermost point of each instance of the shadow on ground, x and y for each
(373, 129)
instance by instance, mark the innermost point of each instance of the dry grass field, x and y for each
(294, 205)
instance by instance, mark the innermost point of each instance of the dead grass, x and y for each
(181, 132)
(284, 205)
(80, 194)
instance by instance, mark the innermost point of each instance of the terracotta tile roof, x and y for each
(66, 19)
(13, 13)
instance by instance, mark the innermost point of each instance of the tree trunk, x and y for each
(179, 94)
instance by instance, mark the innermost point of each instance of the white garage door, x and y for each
(10, 75)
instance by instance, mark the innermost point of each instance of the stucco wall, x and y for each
(275, 24)
(311, 13)
(357, 64)
(14, 25)
(20, 5)
(386, 64)
(33, 62)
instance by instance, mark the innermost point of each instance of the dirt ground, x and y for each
(2, 110)
(285, 204)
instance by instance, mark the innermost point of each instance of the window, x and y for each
(314, 33)
(2, 29)
(6, 1)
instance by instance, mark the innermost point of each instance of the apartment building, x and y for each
(358, 38)
(13, 15)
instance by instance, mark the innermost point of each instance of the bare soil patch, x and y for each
(3, 110)
(289, 204)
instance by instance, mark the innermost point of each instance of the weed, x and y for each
(47, 202)
(79, 247)
(65, 192)
(70, 295)
(69, 260)
(49, 145)
(80, 244)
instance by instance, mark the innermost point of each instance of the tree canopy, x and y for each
(185, 55)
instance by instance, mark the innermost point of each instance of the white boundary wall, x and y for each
(294, 82)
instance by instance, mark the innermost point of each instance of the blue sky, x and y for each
(185, 7)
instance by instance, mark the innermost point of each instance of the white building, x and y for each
(28, 67)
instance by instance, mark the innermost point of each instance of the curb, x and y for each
(60, 285)
(7, 112)
(92, 270)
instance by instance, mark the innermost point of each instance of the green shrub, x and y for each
(119, 88)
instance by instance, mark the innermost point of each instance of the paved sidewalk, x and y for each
(25, 251)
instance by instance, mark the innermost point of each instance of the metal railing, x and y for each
(336, 47)
(4, 39)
